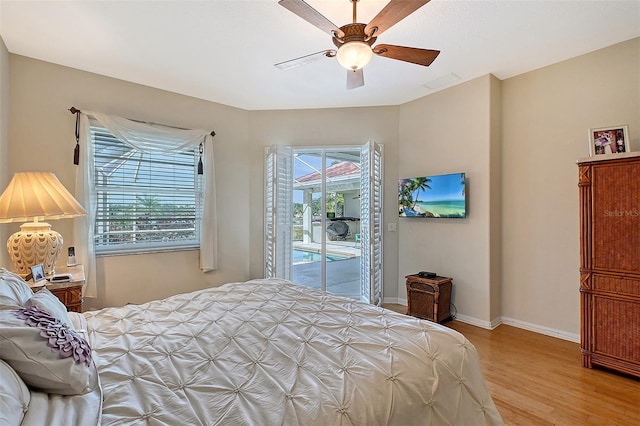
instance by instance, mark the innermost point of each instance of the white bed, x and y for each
(268, 352)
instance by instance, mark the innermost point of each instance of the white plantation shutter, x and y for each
(365, 230)
(371, 223)
(377, 222)
(270, 170)
(278, 212)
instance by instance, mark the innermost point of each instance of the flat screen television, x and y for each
(443, 196)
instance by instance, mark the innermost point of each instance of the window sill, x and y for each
(149, 251)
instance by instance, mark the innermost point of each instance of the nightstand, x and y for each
(69, 293)
(429, 298)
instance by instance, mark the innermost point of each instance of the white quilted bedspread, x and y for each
(267, 352)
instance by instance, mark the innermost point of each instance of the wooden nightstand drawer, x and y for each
(429, 298)
(70, 293)
(70, 296)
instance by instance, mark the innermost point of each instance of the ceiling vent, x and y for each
(444, 81)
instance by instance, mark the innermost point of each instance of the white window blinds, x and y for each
(146, 201)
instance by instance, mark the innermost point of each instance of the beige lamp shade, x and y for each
(35, 196)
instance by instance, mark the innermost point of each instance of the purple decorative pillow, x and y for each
(47, 301)
(59, 337)
(48, 355)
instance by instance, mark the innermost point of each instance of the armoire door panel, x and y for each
(616, 328)
(616, 212)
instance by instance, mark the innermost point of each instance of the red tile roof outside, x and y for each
(341, 169)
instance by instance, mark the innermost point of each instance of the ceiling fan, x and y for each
(355, 41)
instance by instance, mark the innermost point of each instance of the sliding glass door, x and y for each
(319, 232)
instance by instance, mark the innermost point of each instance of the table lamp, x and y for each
(36, 196)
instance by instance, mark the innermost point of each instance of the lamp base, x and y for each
(35, 243)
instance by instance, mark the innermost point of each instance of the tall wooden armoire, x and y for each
(610, 261)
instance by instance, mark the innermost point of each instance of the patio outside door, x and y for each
(323, 218)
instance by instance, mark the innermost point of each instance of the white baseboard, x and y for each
(490, 325)
(572, 337)
(395, 300)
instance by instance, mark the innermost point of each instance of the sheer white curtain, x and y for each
(83, 226)
(143, 137)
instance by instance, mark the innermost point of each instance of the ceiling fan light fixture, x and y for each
(354, 55)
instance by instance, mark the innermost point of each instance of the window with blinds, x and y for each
(146, 201)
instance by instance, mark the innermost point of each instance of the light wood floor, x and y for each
(539, 380)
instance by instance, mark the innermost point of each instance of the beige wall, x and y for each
(451, 132)
(546, 114)
(326, 127)
(42, 138)
(4, 141)
(495, 199)
(514, 258)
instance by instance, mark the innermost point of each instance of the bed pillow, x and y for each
(46, 300)
(14, 396)
(45, 353)
(14, 291)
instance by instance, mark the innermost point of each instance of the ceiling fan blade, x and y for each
(394, 12)
(304, 60)
(309, 14)
(355, 79)
(407, 54)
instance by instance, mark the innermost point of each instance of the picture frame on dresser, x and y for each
(608, 140)
(37, 273)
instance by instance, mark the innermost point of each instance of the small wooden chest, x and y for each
(429, 298)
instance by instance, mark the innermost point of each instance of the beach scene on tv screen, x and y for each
(433, 196)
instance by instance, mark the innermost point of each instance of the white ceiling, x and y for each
(224, 51)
